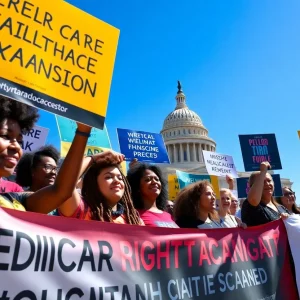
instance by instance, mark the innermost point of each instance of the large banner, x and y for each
(145, 146)
(57, 58)
(243, 186)
(257, 148)
(34, 139)
(72, 259)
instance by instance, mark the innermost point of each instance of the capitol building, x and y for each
(185, 137)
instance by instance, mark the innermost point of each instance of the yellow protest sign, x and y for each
(173, 186)
(56, 57)
(174, 189)
(299, 133)
(89, 150)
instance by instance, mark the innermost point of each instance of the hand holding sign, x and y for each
(116, 155)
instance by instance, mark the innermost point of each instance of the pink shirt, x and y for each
(9, 187)
(155, 219)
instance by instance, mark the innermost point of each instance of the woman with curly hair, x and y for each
(38, 169)
(195, 207)
(105, 194)
(16, 119)
(149, 195)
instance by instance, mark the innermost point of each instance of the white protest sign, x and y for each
(219, 164)
(35, 139)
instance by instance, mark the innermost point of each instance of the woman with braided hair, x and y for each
(105, 194)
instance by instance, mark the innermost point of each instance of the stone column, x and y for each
(181, 153)
(200, 153)
(194, 152)
(174, 153)
(188, 152)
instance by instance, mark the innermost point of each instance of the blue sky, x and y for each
(238, 61)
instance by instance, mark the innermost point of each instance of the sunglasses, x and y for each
(287, 194)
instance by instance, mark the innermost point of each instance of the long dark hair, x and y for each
(187, 202)
(96, 201)
(134, 177)
(295, 209)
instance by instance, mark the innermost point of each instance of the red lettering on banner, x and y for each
(137, 256)
(203, 254)
(238, 249)
(263, 249)
(176, 245)
(126, 257)
(226, 251)
(213, 243)
(151, 257)
(256, 254)
(163, 254)
(190, 244)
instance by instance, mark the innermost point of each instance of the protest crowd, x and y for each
(94, 188)
(106, 195)
(101, 225)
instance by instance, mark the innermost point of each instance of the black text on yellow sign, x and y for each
(57, 58)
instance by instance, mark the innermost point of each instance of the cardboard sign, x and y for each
(257, 148)
(219, 164)
(57, 58)
(185, 179)
(67, 128)
(89, 151)
(173, 186)
(145, 146)
(243, 186)
(34, 139)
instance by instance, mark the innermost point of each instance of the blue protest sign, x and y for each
(144, 146)
(257, 148)
(185, 179)
(243, 186)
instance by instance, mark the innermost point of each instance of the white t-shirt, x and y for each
(229, 221)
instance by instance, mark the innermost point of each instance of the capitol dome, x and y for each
(184, 133)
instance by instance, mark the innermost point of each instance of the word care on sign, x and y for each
(219, 164)
(257, 148)
(34, 139)
(123, 264)
(57, 58)
(244, 187)
(144, 146)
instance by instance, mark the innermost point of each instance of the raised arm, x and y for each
(230, 182)
(51, 197)
(68, 207)
(256, 190)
